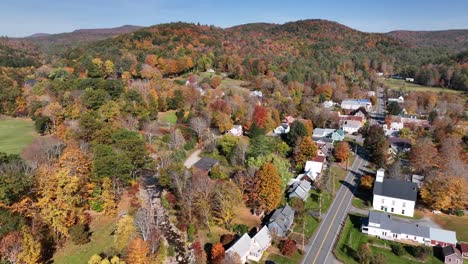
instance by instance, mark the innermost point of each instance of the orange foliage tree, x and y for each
(342, 151)
(217, 253)
(137, 252)
(266, 193)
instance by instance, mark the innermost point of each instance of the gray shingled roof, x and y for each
(387, 222)
(205, 163)
(397, 189)
(283, 217)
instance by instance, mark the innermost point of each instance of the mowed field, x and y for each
(406, 86)
(15, 134)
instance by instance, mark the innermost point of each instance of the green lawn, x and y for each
(351, 238)
(406, 86)
(101, 242)
(278, 259)
(168, 117)
(15, 134)
(313, 203)
(338, 174)
(311, 224)
(455, 223)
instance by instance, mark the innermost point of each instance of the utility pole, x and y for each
(320, 206)
(303, 227)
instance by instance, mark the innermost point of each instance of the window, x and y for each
(403, 211)
(381, 208)
(383, 200)
(404, 204)
(393, 202)
(391, 210)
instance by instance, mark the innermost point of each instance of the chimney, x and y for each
(380, 175)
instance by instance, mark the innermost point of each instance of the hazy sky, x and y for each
(26, 17)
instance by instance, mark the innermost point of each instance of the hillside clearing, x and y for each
(412, 87)
(15, 134)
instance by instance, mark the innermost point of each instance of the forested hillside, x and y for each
(456, 40)
(17, 53)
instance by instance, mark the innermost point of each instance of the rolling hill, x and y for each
(456, 40)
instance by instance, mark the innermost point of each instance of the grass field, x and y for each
(168, 117)
(458, 224)
(406, 86)
(101, 242)
(351, 238)
(15, 134)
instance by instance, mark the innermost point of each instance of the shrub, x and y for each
(79, 234)
(420, 252)
(165, 202)
(398, 249)
(240, 229)
(96, 205)
(459, 212)
(288, 247)
(227, 239)
(191, 232)
(217, 173)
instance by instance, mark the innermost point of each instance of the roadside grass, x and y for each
(351, 238)
(338, 173)
(279, 259)
(455, 223)
(311, 223)
(406, 86)
(15, 134)
(168, 117)
(313, 203)
(360, 203)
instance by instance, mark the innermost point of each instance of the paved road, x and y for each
(379, 114)
(318, 251)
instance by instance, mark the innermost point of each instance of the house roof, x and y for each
(242, 245)
(443, 235)
(464, 247)
(283, 217)
(263, 237)
(205, 163)
(397, 189)
(352, 123)
(387, 222)
(450, 250)
(351, 118)
(322, 132)
(301, 189)
(397, 140)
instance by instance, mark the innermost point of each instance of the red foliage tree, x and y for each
(260, 116)
(288, 247)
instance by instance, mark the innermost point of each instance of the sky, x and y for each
(26, 17)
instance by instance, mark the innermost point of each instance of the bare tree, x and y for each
(198, 124)
(151, 129)
(147, 221)
(177, 140)
(240, 151)
(394, 170)
(43, 150)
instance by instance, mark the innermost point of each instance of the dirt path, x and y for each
(193, 158)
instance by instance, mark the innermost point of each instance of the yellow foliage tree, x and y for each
(305, 151)
(60, 206)
(125, 231)
(108, 197)
(445, 193)
(109, 68)
(31, 253)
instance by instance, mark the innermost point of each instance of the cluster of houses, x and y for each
(398, 197)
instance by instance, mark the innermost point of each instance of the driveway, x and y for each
(193, 158)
